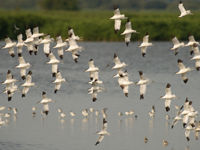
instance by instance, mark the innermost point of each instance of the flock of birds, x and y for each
(186, 113)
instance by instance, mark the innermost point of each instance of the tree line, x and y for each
(96, 4)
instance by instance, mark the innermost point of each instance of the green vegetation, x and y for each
(96, 25)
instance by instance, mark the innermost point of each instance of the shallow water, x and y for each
(160, 65)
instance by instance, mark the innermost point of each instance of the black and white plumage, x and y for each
(103, 132)
(92, 69)
(20, 43)
(183, 70)
(143, 84)
(168, 97)
(196, 56)
(128, 32)
(71, 32)
(54, 64)
(10, 46)
(29, 41)
(60, 46)
(74, 48)
(118, 64)
(176, 45)
(28, 84)
(58, 81)
(124, 83)
(36, 36)
(46, 41)
(192, 42)
(117, 17)
(23, 66)
(145, 44)
(183, 11)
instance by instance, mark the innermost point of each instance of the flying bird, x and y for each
(54, 64)
(10, 46)
(183, 11)
(59, 46)
(177, 45)
(145, 44)
(26, 86)
(58, 81)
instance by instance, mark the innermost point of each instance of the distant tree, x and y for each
(156, 4)
(59, 4)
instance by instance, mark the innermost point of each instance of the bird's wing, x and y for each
(146, 39)
(101, 137)
(175, 41)
(181, 8)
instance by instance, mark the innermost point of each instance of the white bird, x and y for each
(176, 45)
(28, 84)
(128, 31)
(36, 36)
(187, 132)
(103, 132)
(196, 56)
(72, 114)
(60, 45)
(152, 112)
(29, 41)
(15, 111)
(20, 44)
(73, 48)
(143, 84)
(62, 114)
(183, 11)
(23, 66)
(46, 41)
(9, 79)
(124, 83)
(58, 81)
(168, 97)
(33, 111)
(92, 69)
(104, 114)
(94, 90)
(191, 43)
(183, 70)
(71, 32)
(95, 81)
(10, 89)
(117, 17)
(10, 46)
(145, 44)
(85, 112)
(45, 101)
(118, 64)
(54, 63)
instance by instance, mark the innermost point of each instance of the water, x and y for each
(160, 65)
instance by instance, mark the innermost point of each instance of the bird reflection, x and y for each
(84, 124)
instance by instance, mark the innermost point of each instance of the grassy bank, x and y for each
(96, 26)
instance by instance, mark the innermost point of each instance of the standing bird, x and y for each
(124, 83)
(20, 44)
(117, 17)
(58, 81)
(145, 44)
(183, 70)
(60, 45)
(73, 48)
(10, 46)
(168, 97)
(191, 43)
(103, 132)
(26, 86)
(54, 62)
(128, 31)
(33, 111)
(46, 41)
(143, 84)
(196, 56)
(177, 45)
(183, 11)
(23, 66)
(36, 36)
